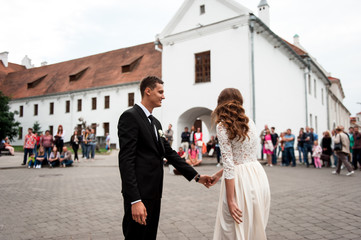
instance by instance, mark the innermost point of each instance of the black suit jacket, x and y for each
(141, 157)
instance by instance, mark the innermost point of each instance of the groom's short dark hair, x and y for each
(151, 82)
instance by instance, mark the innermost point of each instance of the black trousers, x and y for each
(356, 157)
(75, 149)
(135, 231)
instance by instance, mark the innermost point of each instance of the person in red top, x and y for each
(29, 144)
(182, 153)
(37, 143)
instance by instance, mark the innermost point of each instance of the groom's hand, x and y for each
(139, 213)
(205, 180)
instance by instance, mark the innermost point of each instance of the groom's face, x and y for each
(157, 95)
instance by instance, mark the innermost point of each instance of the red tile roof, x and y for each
(298, 50)
(12, 67)
(102, 69)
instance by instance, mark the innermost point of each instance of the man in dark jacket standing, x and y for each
(142, 149)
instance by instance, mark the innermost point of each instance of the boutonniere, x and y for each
(161, 134)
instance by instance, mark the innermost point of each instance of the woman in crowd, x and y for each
(8, 146)
(59, 137)
(342, 149)
(40, 157)
(335, 158)
(74, 141)
(193, 153)
(282, 148)
(92, 143)
(198, 140)
(326, 148)
(268, 147)
(47, 142)
(300, 145)
(86, 140)
(54, 157)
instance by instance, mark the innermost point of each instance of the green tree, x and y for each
(8, 126)
(36, 127)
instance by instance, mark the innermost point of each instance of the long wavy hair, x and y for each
(231, 114)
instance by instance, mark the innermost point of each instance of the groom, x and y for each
(142, 149)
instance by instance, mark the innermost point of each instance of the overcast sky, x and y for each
(55, 31)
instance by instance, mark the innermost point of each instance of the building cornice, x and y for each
(204, 30)
(69, 93)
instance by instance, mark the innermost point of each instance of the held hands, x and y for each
(209, 181)
(205, 180)
(139, 213)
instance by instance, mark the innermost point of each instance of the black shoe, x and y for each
(23, 164)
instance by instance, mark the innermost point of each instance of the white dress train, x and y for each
(252, 192)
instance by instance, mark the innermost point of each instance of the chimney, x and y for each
(263, 12)
(296, 40)
(27, 62)
(4, 58)
(44, 63)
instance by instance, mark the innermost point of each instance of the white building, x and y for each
(206, 47)
(96, 88)
(211, 45)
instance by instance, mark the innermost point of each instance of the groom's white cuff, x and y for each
(135, 201)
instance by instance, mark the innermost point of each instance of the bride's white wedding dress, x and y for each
(252, 193)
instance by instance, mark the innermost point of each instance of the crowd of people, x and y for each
(193, 146)
(336, 149)
(46, 149)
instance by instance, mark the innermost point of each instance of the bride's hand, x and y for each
(215, 179)
(235, 212)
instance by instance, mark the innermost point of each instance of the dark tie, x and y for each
(151, 118)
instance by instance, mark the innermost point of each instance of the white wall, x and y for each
(229, 68)
(315, 106)
(280, 94)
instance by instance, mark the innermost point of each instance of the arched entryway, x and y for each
(196, 115)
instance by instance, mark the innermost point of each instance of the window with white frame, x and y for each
(314, 88)
(322, 96)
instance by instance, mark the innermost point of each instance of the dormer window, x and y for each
(202, 9)
(130, 67)
(36, 82)
(77, 76)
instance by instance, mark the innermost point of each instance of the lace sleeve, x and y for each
(226, 151)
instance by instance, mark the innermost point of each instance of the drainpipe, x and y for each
(328, 109)
(307, 74)
(251, 28)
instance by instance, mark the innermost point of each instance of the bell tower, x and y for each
(263, 12)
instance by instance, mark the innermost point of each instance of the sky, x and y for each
(56, 31)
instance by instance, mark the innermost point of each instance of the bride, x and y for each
(244, 201)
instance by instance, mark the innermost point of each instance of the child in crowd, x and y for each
(316, 154)
(182, 153)
(193, 153)
(54, 157)
(31, 161)
(40, 158)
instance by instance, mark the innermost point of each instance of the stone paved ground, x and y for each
(84, 202)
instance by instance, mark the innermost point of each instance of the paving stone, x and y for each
(84, 202)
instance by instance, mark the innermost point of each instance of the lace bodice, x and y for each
(235, 152)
